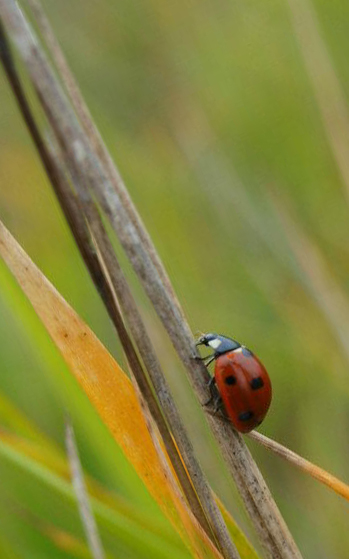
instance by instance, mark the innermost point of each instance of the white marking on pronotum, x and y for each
(238, 350)
(214, 343)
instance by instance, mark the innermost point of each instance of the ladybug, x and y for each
(244, 387)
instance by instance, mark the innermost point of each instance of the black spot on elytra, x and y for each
(246, 352)
(230, 380)
(256, 383)
(245, 416)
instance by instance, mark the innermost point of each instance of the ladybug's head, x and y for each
(205, 339)
(220, 344)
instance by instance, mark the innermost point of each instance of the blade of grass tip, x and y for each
(329, 95)
(200, 498)
(271, 529)
(86, 514)
(109, 390)
(305, 465)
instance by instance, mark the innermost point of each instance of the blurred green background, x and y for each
(215, 122)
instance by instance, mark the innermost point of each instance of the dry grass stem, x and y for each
(273, 532)
(315, 471)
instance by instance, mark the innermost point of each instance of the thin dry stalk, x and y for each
(305, 465)
(271, 528)
(73, 212)
(86, 513)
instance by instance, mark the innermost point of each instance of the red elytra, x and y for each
(242, 381)
(245, 388)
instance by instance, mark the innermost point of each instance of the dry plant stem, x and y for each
(275, 537)
(318, 473)
(76, 220)
(85, 509)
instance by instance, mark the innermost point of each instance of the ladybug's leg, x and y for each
(218, 404)
(215, 399)
(219, 411)
(207, 360)
(211, 385)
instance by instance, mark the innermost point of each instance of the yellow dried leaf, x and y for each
(109, 390)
